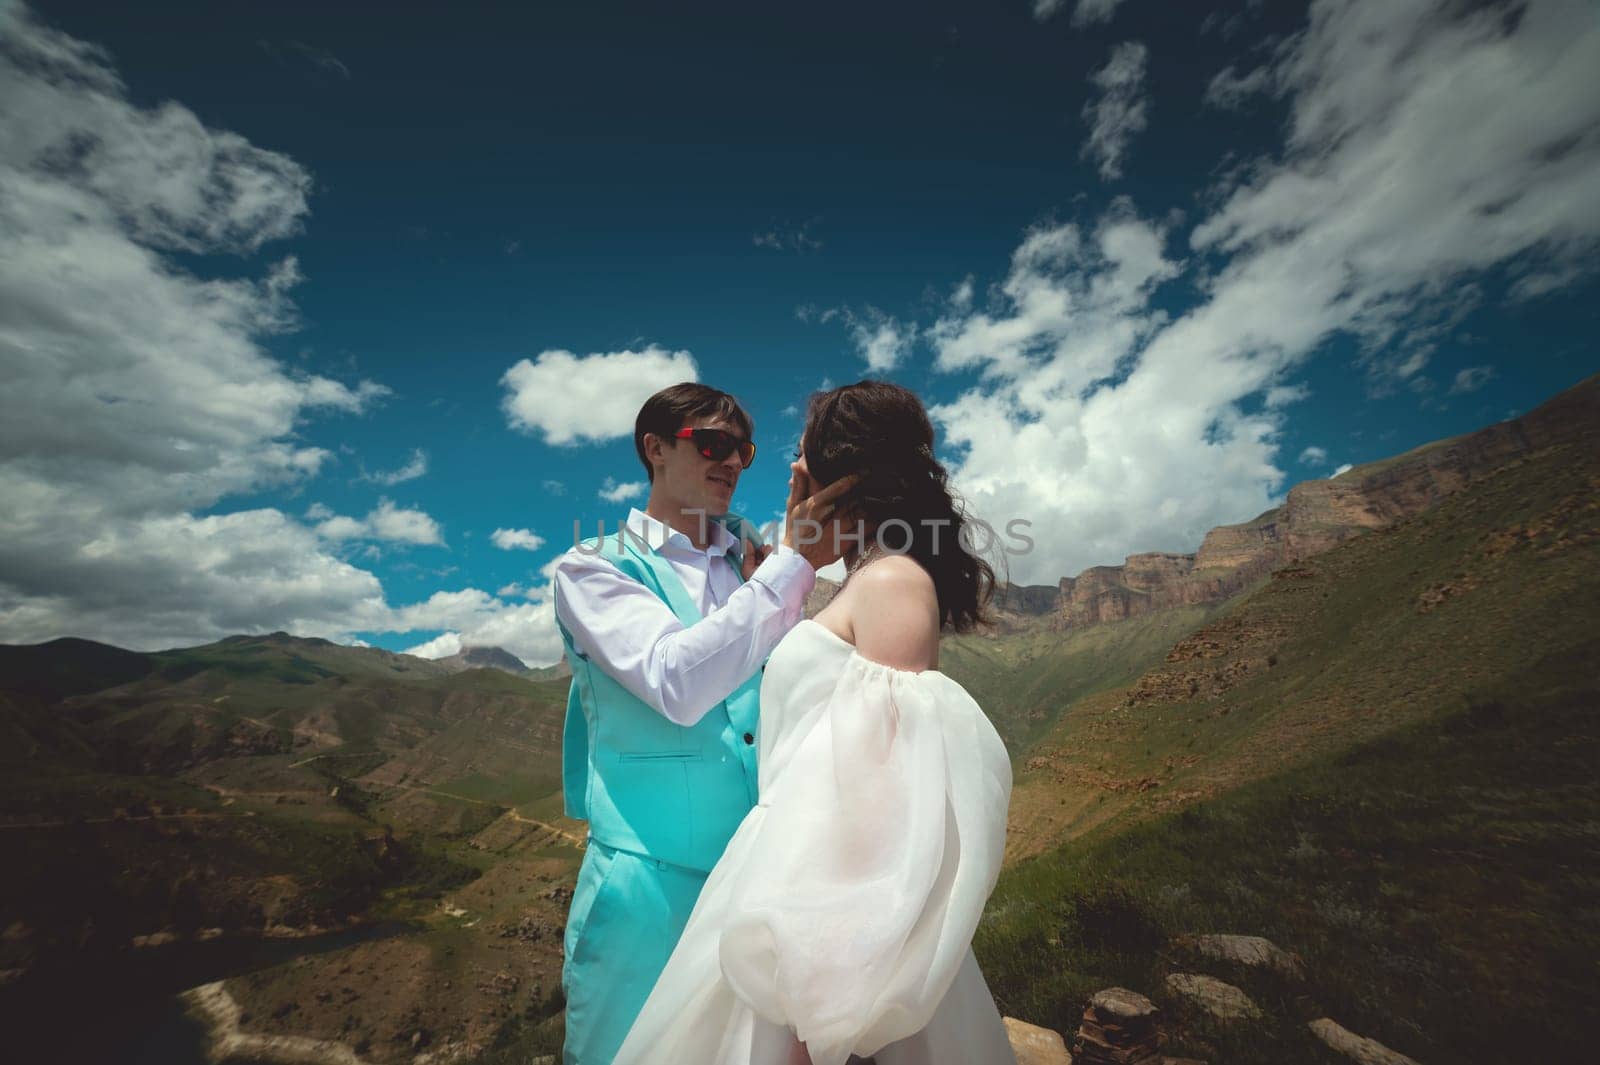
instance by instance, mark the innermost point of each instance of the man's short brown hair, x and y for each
(665, 412)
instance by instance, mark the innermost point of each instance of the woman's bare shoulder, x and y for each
(895, 573)
(894, 613)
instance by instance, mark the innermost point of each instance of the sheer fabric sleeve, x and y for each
(882, 840)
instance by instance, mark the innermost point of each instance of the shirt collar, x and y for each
(659, 534)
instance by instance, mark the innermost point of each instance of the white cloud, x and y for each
(1314, 456)
(572, 399)
(415, 467)
(478, 619)
(612, 492)
(1087, 13)
(1113, 429)
(441, 646)
(554, 488)
(881, 340)
(517, 539)
(1379, 211)
(510, 591)
(1229, 89)
(1117, 114)
(139, 396)
(1341, 468)
(1283, 395)
(1075, 304)
(401, 525)
(384, 522)
(1471, 379)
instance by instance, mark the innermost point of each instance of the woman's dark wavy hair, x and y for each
(882, 430)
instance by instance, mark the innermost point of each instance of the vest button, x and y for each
(748, 738)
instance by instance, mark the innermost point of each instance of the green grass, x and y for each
(1025, 681)
(502, 789)
(1442, 884)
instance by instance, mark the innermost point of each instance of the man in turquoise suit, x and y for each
(667, 624)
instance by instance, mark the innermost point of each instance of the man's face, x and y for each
(691, 480)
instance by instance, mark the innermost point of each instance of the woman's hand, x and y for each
(812, 506)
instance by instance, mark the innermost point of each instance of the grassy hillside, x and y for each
(1442, 884)
(1025, 681)
(1384, 760)
(1387, 629)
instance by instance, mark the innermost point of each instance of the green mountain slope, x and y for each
(1383, 759)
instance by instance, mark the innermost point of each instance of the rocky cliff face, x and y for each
(1317, 516)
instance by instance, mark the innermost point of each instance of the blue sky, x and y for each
(1149, 266)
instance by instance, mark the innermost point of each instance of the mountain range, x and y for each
(1174, 708)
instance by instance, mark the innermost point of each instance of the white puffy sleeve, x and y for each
(882, 840)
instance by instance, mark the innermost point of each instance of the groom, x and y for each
(667, 627)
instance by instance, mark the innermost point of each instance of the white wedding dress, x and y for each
(842, 911)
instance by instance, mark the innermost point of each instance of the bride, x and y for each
(839, 920)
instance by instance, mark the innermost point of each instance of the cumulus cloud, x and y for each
(139, 396)
(517, 539)
(442, 646)
(1314, 456)
(573, 399)
(1112, 428)
(385, 522)
(1117, 113)
(612, 492)
(475, 618)
(881, 340)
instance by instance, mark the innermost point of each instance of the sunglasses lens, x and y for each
(717, 445)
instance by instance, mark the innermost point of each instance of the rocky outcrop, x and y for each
(1318, 515)
(484, 658)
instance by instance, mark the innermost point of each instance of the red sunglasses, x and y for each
(718, 444)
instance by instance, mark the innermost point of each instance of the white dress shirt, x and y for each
(635, 637)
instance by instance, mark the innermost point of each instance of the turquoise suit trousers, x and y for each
(627, 914)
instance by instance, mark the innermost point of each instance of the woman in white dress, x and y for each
(838, 924)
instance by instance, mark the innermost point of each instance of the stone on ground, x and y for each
(1223, 1001)
(1253, 951)
(1036, 1046)
(1356, 1047)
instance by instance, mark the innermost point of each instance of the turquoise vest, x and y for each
(643, 783)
